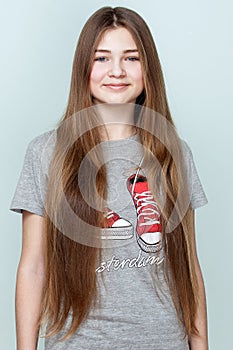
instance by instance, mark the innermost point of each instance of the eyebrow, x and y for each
(109, 51)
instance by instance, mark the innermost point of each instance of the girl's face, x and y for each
(116, 75)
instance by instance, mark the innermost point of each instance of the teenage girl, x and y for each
(107, 199)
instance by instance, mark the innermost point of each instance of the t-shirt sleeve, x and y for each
(197, 194)
(28, 193)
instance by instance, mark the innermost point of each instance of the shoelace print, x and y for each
(143, 200)
(109, 214)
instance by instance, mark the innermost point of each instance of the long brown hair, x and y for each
(71, 285)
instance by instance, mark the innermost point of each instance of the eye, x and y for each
(132, 58)
(101, 59)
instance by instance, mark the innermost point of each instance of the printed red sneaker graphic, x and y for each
(149, 229)
(114, 220)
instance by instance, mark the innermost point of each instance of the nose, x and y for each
(117, 70)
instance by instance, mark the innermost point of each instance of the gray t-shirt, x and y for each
(132, 316)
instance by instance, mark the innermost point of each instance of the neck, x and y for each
(118, 120)
(117, 131)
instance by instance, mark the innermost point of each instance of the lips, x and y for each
(116, 86)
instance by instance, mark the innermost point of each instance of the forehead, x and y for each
(117, 39)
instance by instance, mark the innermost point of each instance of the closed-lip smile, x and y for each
(116, 86)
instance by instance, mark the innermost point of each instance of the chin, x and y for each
(117, 100)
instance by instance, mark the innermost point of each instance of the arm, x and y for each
(199, 342)
(29, 283)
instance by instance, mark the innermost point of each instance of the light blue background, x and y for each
(194, 40)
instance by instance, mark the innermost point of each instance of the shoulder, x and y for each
(185, 146)
(38, 143)
(186, 150)
(40, 150)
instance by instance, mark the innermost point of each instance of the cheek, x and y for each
(137, 74)
(97, 74)
(140, 76)
(141, 80)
